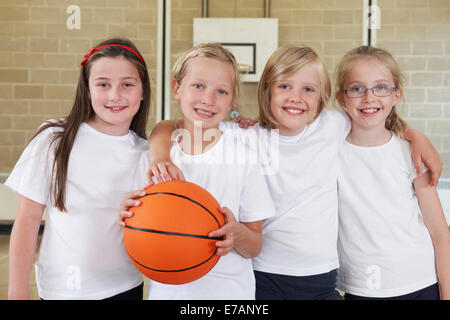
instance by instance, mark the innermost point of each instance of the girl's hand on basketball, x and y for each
(244, 237)
(164, 171)
(245, 122)
(129, 200)
(229, 232)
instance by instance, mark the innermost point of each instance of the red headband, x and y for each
(93, 49)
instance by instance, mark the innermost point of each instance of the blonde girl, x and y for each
(394, 242)
(298, 259)
(206, 84)
(76, 168)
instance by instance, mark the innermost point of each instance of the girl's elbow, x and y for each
(442, 236)
(256, 249)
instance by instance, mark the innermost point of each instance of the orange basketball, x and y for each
(167, 236)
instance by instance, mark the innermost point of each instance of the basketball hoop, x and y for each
(244, 68)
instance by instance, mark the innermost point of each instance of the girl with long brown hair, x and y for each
(76, 169)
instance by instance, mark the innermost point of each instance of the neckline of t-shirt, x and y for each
(384, 145)
(201, 155)
(108, 136)
(293, 139)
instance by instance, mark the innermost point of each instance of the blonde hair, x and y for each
(208, 50)
(283, 63)
(394, 122)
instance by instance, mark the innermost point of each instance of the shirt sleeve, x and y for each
(256, 203)
(414, 172)
(140, 175)
(343, 122)
(32, 174)
(412, 167)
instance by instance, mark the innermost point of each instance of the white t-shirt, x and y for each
(236, 183)
(82, 255)
(301, 239)
(385, 249)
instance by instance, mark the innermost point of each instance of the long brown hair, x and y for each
(82, 111)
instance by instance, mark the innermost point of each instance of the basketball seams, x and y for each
(171, 233)
(186, 198)
(176, 270)
(167, 233)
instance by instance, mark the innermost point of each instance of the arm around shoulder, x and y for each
(160, 142)
(422, 150)
(160, 139)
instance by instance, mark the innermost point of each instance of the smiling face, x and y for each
(205, 92)
(116, 92)
(295, 100)
(369, 111)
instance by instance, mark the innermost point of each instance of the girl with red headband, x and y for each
(76, 169)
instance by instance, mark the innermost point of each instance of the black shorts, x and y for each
(136, 293)
(132, 294)
(271, 286)
(428, 293)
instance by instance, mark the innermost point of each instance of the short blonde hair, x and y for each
(393, 122)
(208, 50)
(283, 63)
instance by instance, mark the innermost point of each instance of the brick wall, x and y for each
(418, 34)
(41, 58)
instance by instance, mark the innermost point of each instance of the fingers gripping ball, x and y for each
(167, 236)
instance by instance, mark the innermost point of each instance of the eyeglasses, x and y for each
(380, 90)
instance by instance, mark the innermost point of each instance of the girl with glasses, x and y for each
(394, 242)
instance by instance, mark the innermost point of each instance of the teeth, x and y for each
(204, 112)
(369, 110)
(294, 110)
